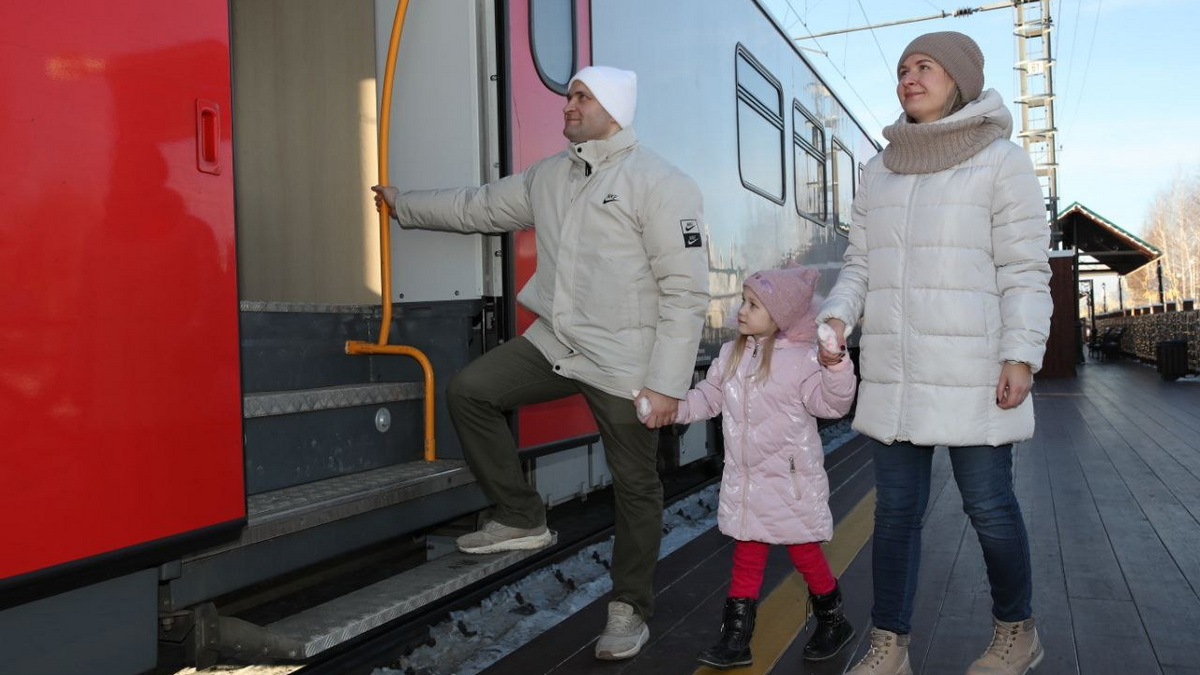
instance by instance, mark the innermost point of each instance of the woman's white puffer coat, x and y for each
(949, 272)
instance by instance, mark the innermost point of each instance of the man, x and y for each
(620, 293)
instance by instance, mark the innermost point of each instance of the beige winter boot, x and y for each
(888, 655)
(1015, 650)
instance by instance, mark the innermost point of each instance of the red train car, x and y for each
(119, 379)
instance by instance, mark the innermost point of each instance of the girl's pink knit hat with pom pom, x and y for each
(788, 296)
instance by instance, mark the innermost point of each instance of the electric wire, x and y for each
(1088, 61)
(846, 40)
(878, 46)
(1074, 41)
(791, 10)
(833, 63)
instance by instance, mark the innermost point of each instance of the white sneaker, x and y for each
(624, 634)
(494, 537)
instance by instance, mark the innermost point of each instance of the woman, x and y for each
(947, 268)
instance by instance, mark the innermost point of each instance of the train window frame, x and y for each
(836, 145)
(551, 83)
(812, 148)
(745, 97)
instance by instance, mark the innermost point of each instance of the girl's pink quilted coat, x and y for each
(774, 488)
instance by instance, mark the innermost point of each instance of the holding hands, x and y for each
(831, 342)
(654, 409)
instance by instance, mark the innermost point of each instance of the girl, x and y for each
(947, 268)
(769, 388)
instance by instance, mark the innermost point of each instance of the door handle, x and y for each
(208, 136)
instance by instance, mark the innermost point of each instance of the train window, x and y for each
(808, 155)
(552, 41)
(754, 82)
(843, 185)
(760, 128)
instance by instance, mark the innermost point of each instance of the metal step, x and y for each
(280, 512)
(339, 620)
(266, 404)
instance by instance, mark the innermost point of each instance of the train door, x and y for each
(119, 375)
(327, 432)
(549, 41)
(308, 77)
(307, 82)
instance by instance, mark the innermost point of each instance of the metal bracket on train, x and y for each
(227, 636)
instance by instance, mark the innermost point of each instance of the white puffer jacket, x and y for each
(621, 286)
(949, 272)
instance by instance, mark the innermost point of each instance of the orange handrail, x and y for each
(385, 244)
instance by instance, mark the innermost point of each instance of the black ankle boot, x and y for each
(833, 631)
(737, 627)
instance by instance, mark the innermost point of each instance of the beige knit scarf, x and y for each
(931, 147)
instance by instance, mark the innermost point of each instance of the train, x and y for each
(188, 244)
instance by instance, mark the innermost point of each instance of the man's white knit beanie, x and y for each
(615, 89)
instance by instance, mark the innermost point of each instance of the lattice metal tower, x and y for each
(1035, 69)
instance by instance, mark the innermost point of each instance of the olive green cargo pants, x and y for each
(516, 374)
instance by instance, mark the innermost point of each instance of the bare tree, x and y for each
(1172, 226)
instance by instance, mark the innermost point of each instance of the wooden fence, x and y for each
(1144, 330)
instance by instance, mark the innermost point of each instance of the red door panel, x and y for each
(119, 384)
(536, 119)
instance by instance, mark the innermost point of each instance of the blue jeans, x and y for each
(984, 477)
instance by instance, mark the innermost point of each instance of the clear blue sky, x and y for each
(1128, 102)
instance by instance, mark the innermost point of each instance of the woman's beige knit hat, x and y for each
(958, 54)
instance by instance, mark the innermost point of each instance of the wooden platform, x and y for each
(1110, 488)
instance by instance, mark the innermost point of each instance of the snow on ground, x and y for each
(472, 639)
(244, 670)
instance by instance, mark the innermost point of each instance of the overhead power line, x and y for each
(886, 66)
(847, 80)
(966, 11)
(1088, 62)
